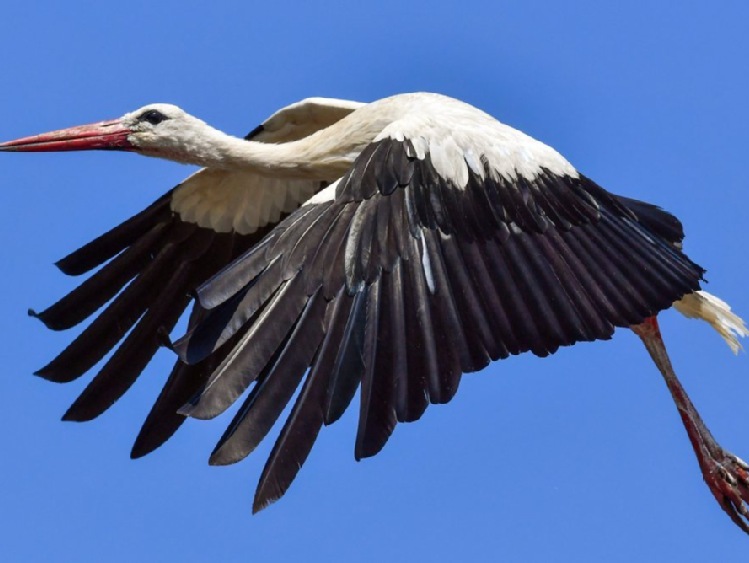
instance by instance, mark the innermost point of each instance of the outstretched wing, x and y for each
(150, 265)
(404, 275)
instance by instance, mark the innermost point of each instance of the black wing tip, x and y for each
(220, 456)
(331, 413)
(363, 451)
(196, 409)
(42, 317)
(45, 373)
(69, 268)
(143, 446)
(52, 318)
(72, 415)
(261, 501)
(158, 428)
(55, 375)
(254, 133)
(82, 411)
(75, 264)
(217, 457)
(138, 451)
(67, 417)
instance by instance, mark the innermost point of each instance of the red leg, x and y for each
(726, 475)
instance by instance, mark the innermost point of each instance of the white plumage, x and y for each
(389, 247)
(457, 135)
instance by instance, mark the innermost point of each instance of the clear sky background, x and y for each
(576, 457)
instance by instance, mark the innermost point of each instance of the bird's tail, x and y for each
(716, 312)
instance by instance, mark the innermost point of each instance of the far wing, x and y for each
(301, 119)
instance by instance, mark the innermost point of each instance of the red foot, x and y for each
(726, 475)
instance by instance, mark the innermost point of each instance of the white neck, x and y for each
(324, 155)
(306, 158)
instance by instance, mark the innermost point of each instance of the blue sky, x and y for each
(577, 457)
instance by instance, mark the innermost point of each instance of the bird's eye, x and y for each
(152, 116)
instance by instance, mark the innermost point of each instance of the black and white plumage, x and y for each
(388, 247)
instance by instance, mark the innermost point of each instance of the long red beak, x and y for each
(104, 135)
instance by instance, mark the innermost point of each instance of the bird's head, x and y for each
(161, 130)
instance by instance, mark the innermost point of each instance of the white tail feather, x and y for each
(716, 312)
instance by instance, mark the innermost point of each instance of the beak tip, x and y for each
(102, 135)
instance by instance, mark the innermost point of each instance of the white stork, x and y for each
(391, 246)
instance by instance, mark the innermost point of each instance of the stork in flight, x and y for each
(390, 246)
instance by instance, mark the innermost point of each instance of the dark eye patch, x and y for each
(152, 116)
